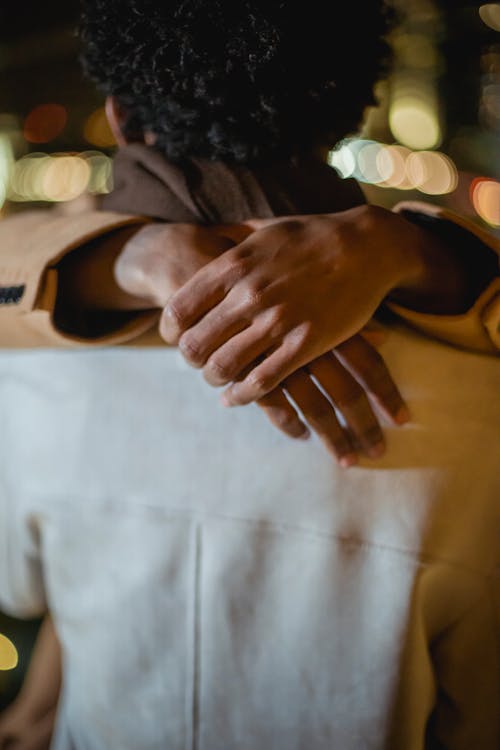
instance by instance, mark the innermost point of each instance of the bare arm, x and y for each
(28, 722)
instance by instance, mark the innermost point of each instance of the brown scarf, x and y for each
(206, 192)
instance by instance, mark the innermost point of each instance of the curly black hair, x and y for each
(237, 80)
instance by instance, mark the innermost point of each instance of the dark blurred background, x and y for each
(434, 137)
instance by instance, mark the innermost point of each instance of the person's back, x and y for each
(217, 586)
(214, 583)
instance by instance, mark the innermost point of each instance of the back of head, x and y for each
(237, 80)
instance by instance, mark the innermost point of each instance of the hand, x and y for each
(19, 730)
(160, 258)
(292, 291)
(347, 377)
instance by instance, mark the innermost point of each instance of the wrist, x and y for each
(420, 268)
(397, 245)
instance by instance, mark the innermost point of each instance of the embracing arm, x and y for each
(101, 279)
(53, 266)
(307, 284)
(29, 721)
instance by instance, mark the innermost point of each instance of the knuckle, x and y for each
(253, 296)
(238, 267)
(241, 252)
(174, 314)
(300, 337)
(191, 350)
(259, 384)
(279, 315)
(218, 372)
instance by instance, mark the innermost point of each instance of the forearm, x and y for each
(433, 274)
(40, 691)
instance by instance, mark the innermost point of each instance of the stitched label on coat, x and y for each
(11, 295)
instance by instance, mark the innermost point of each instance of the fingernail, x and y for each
(350, 459)
(402, 415)
(377, 450)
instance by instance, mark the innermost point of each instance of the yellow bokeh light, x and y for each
(416, 51)
(27, 178)
(6, 166)
(485, 194)
(414, 123)
(431, 172)
(65, 178)
(9, 657)
(58, 177)
(101, 172)
(490, 15)
(97, 130)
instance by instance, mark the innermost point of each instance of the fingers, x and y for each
(333, 405)
(283, 415)
(231, 361)
(351, 402)
(197, 344)
(369, 368)
(320, 415)
(201, 293)
(268, 374)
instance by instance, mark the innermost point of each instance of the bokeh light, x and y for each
(431, 172)
(65, 178)
(59, 177)
(416, 51)
(9, 657)
(485, 196)
(395, 166)
(97, 131)
(6, 166)
(391, 164)
(490, 15)
(414, 123)
(44, 123)
(368, 164)
(343, 159)
(101, 172)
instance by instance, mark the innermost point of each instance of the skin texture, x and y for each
(298, 288)
(27, 724)
(352, 381)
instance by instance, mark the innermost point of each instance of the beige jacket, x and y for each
(31, 245)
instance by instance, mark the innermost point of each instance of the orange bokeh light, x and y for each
(485, 196)
(44, 123)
